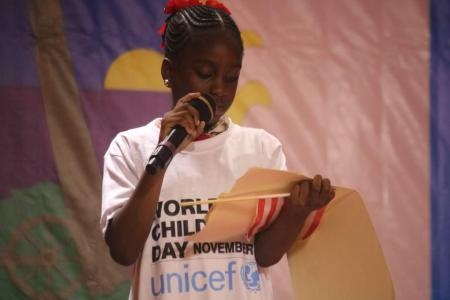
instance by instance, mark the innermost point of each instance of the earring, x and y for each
(166, 82)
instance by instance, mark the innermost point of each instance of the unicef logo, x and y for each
(250, 276)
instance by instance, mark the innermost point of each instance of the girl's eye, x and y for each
(232, 78)
(204, 74)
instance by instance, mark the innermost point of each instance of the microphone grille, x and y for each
(205, 105)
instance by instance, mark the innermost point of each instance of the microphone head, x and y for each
(206, 107)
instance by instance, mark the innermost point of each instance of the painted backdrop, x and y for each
(356, 90)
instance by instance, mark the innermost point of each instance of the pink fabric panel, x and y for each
(349, 87)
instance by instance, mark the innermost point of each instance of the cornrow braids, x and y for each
(182, 24)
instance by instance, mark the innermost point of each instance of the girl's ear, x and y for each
(166, 70)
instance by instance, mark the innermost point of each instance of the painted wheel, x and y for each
(42, 258)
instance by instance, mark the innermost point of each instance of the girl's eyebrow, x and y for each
(206, 61)
(203, 61)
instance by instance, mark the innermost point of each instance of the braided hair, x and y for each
(184, 23)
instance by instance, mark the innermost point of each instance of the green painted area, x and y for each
(39, 259)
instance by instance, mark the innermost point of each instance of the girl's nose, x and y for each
(217, 88)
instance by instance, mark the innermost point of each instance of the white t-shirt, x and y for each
(169, 267)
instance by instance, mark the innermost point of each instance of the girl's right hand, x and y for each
(185, 115)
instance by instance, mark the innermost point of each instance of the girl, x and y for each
(142, 219)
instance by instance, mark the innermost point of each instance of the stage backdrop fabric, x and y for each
(355, 90)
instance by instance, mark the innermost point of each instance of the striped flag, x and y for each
(267, 211)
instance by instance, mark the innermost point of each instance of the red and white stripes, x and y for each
(267, 211)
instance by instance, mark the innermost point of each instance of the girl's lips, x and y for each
(221, 107)
(219, 112)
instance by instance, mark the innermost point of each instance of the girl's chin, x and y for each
(218, 116)
(213, 122)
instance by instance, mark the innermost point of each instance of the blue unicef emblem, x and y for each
(250, 276)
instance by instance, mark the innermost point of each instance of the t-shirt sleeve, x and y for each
(119, 180)
(279, 159)
(273, 150)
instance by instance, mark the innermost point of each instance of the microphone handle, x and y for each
(165, 150)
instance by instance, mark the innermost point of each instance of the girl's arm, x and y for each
(272, 243)
(128, 230)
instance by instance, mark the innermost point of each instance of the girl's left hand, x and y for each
(309, 195)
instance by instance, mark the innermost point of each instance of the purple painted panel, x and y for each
(109, 112)
(99, 31)
(26, 155)
(16, 51)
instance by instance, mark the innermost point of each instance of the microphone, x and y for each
(164, 152)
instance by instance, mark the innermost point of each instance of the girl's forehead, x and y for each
(213, 45)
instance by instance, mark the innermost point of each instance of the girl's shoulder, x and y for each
(254, 134)
(135, 139)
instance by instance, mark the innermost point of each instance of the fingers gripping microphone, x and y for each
(206, 107)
